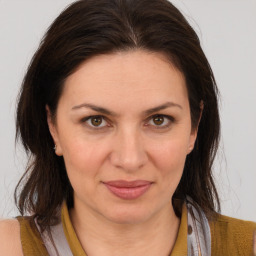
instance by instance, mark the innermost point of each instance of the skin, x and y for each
(128, 145)
(10, 238)
(132, 145)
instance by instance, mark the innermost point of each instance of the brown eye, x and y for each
(96, 121)
(161, 121)
(158, 120)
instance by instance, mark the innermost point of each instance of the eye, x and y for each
(95, 121)
(161, 121)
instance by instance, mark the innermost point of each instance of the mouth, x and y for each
(128, 190)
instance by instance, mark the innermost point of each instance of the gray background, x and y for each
(227, 29)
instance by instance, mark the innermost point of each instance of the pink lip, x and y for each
(128, 189)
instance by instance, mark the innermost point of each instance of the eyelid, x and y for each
(85, 119)
(170, 118)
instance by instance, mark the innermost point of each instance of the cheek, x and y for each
(170, 154)
(83, 158)
(172, 170)
(83, 163)
(169, 158)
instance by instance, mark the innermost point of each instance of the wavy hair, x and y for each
(88, 28)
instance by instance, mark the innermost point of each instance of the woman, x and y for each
(118, 112)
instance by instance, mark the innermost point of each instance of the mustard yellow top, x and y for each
(229, 236)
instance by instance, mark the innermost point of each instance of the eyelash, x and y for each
(169, 118)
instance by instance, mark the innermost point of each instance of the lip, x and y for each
(128, 189)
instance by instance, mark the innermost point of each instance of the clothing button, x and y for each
(190, 230)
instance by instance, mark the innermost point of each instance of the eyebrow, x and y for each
(111, 113)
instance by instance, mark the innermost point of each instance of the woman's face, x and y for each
(123, 126)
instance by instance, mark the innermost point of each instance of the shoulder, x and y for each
(236, 225)
(234, 234)
(31, 240)
(10, 238)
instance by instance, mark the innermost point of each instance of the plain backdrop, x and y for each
(227, 29)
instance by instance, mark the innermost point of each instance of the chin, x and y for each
(128, 215)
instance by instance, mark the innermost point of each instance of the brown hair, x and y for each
(88, 28)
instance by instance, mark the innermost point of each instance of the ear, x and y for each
(53, 131)
(194, 131)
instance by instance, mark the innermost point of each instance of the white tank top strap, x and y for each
(199, 233)
(58, 246)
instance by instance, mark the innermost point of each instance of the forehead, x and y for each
(126, 78)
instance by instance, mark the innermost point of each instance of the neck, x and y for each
(99, 236)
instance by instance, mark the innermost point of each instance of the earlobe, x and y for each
(53, 131)
(51, 126)
(192, 142)
(194, 131)
(201, 112)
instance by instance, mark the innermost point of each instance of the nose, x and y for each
(128, 151)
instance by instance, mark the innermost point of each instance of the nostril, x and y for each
(128, 160)
(128, 151)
